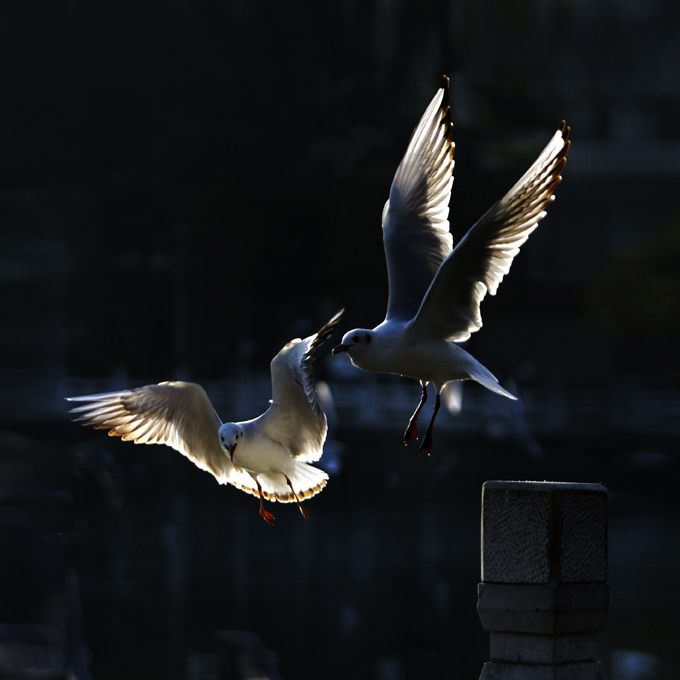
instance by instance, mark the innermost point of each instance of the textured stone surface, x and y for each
(515, 536)
(587, 670)
(544, 594)
(583, 536)
(542, 649)
(548, 609)
(544, 532)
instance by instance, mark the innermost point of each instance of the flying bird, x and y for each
(267, 456)
(435, 290)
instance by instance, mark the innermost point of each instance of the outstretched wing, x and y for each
(295, 418)
(415, 218)
(483, 257)
(178, 414)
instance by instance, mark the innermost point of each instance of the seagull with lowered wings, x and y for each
(267, 456)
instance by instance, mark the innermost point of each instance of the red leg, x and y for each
(303, 510)
(268, 517)
(412, 429)
(426, 446)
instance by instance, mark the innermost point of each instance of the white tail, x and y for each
(484, 377)
(307, 481)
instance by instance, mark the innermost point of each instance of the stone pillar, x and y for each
(544, 592)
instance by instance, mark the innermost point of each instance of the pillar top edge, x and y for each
(542, 486)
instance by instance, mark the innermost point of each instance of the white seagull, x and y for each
(267, 456)
(435, 290)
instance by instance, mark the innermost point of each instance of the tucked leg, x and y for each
(268, 517)
(303, 510)
(426, 446)
(412, 429)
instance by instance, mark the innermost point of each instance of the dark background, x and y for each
(188, 184)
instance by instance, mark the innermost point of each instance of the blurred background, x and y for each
(188, 184)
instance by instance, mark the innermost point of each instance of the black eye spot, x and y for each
(356, 338)
(368, 339)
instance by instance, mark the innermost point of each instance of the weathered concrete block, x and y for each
(543, 649)
(544, 594)
(550, 609)
(588, 670)
(544, 532)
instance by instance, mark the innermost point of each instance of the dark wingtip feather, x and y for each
(445, 106)
(446, 115)
(325, 332)
(565, 130)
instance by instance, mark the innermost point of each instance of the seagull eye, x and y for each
(356, 338)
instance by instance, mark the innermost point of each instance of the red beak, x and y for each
(339, 348)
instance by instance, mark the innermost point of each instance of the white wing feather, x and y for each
(416, 233)
(295, 418)
(177, 414)
(477, 265)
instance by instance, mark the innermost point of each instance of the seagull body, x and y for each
(435, 290)
(268, 456)
(396, 348)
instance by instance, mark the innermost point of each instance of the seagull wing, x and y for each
(295, 418)
(178, 414)
(415, 218)
(477, 265)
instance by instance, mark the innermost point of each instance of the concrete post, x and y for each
(544, 594)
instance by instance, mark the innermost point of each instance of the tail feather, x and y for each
(307, 481)
(484, 377)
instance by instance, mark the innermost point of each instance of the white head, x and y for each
(355, 343)
(231, 434)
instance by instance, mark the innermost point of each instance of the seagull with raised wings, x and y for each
(268, 456)
(435, 290)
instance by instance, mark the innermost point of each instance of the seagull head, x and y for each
(355, 342)
(230, 435)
